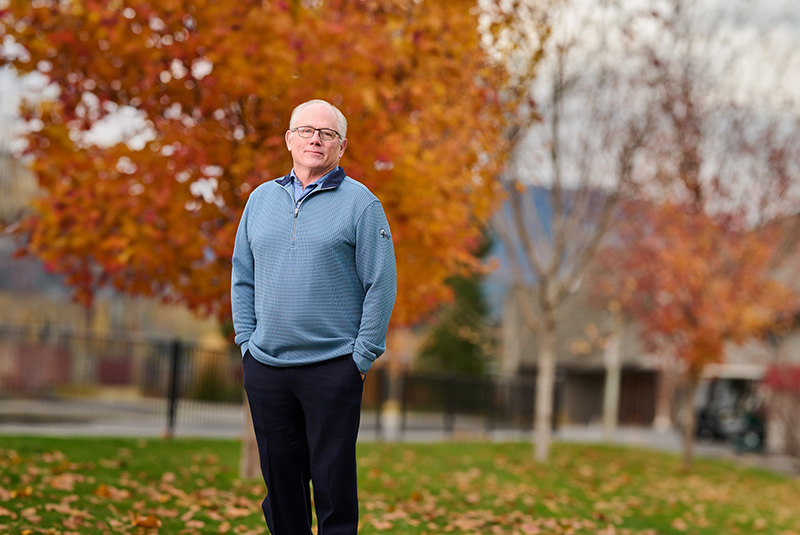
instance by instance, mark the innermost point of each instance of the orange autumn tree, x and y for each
(692, 283)
(211, 85)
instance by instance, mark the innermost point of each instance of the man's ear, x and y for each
(288, 138)
(342, 146)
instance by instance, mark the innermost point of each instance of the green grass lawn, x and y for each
(85, 486)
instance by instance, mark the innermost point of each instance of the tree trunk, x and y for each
(249, 466)
(400, 350)
(513, 327)
(665, 392)
(613, 363)
(690, 422)
(545, 381)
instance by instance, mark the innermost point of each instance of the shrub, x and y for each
(782, 385)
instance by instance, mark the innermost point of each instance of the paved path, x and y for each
(671, 441)
(148, 418)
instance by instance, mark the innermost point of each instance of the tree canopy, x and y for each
(212, 85)
(694, 283)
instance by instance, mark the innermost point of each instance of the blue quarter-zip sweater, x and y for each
(314, 281)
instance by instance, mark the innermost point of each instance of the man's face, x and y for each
(313, 156)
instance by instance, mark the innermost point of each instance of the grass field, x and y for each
(86, 486)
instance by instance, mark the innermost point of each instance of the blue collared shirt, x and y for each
(299, 192)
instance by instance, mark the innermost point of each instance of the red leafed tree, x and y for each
(693, 283)
(782, 384)
(212, 85)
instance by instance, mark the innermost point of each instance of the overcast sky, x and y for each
(766, 35)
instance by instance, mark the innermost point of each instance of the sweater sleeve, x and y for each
(375, 264)
(242, 285)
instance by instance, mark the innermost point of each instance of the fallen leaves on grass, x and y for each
(7, 512)
(585, 492)
(49, 495)
(497, 490)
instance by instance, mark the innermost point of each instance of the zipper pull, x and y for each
(296, 209)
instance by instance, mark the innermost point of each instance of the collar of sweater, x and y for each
(331, 180)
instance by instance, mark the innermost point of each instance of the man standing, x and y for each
(313, 287)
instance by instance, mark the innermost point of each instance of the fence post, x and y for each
(490, 404)
(450, 409)
(172, 399)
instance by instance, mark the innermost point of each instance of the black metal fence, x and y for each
(123, 384)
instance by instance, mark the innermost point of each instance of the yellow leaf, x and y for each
(149, 521)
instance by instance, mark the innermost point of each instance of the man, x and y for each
(313, 286)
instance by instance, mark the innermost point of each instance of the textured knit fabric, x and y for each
(316, 281)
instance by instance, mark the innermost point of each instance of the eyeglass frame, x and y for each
(318, 130)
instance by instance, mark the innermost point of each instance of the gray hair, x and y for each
(339, 115)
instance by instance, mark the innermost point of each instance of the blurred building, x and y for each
(650, 389)
(582, 336)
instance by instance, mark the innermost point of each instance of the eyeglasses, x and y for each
(325, 134)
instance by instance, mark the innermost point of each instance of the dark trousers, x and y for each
(306, 422)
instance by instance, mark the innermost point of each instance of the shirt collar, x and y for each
(298, 184)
